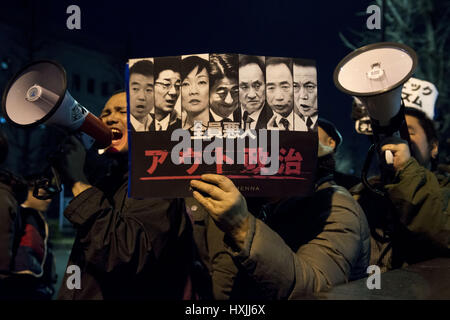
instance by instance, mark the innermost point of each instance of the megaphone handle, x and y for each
(389, 157)
(49, 192)
(365, 171)
(404, 132)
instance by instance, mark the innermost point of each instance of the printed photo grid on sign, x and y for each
(251, 118)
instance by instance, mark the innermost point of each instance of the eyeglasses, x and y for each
(309, 87)
(167, 85)
(223, 92)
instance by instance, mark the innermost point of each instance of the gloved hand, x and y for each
(70, 162)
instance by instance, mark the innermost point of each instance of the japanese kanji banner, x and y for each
(420, 94)
(251, 118)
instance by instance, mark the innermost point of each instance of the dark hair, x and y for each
(276, 60)
(426, 123)
(144, 67)
(3, 147)
(245, 60)
(305, 62)
(188, 64)
(222, 66)
(166, 63)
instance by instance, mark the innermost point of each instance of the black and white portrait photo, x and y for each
(254, 111)
(167, 92)
(280, 93)
(305, 94)
(141, 93)
(195, 90)
(224, 88)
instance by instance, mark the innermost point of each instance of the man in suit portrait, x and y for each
(305, 93)
(167, 91)
(255, 113)
(224, 88)
(280, 95)
(141, 95)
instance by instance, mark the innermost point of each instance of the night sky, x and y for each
(130, 29)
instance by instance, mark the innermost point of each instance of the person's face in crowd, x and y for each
(167, 90)
(422, 150)
(141, 95)
(195, 91)
(114, 115)
(224, 97)
(35, 203)
(279, 88)
(305, 89)
(252, 89)
(325, 139)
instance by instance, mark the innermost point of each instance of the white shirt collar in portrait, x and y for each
(274, 122)
(254, 116)
(299, 124)
(218, 118)
(164, 123)
(138, 126)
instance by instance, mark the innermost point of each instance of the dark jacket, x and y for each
(411, 224)
(128, 248)
(9, 225)
(13, 191)
(304, 245)
(264, 117)
(174, 122)
(33, 273)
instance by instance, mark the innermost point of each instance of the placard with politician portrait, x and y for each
(251, 118)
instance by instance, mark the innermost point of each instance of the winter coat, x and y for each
(127, 248)
(9, 227)
(411, 224)
(305, 244)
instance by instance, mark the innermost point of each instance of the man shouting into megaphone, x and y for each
(125, 248)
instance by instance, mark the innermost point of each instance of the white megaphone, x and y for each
(375, 74)
(38, 94)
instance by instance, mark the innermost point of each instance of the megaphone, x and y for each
(375, 74)
(38, 94)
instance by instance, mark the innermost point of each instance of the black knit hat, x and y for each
(331, 130)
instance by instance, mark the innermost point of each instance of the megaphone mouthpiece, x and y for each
(94, 127)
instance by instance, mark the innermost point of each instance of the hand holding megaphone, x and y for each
(398, 150)
(69, 161)
(375, 75)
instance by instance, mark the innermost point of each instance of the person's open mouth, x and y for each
(117, 134)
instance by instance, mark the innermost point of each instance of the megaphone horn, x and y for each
(38, 94)
(376, 74)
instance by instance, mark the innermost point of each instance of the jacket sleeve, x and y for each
(421, 202)
(323, 262)
(8, 229)
(127, 236)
